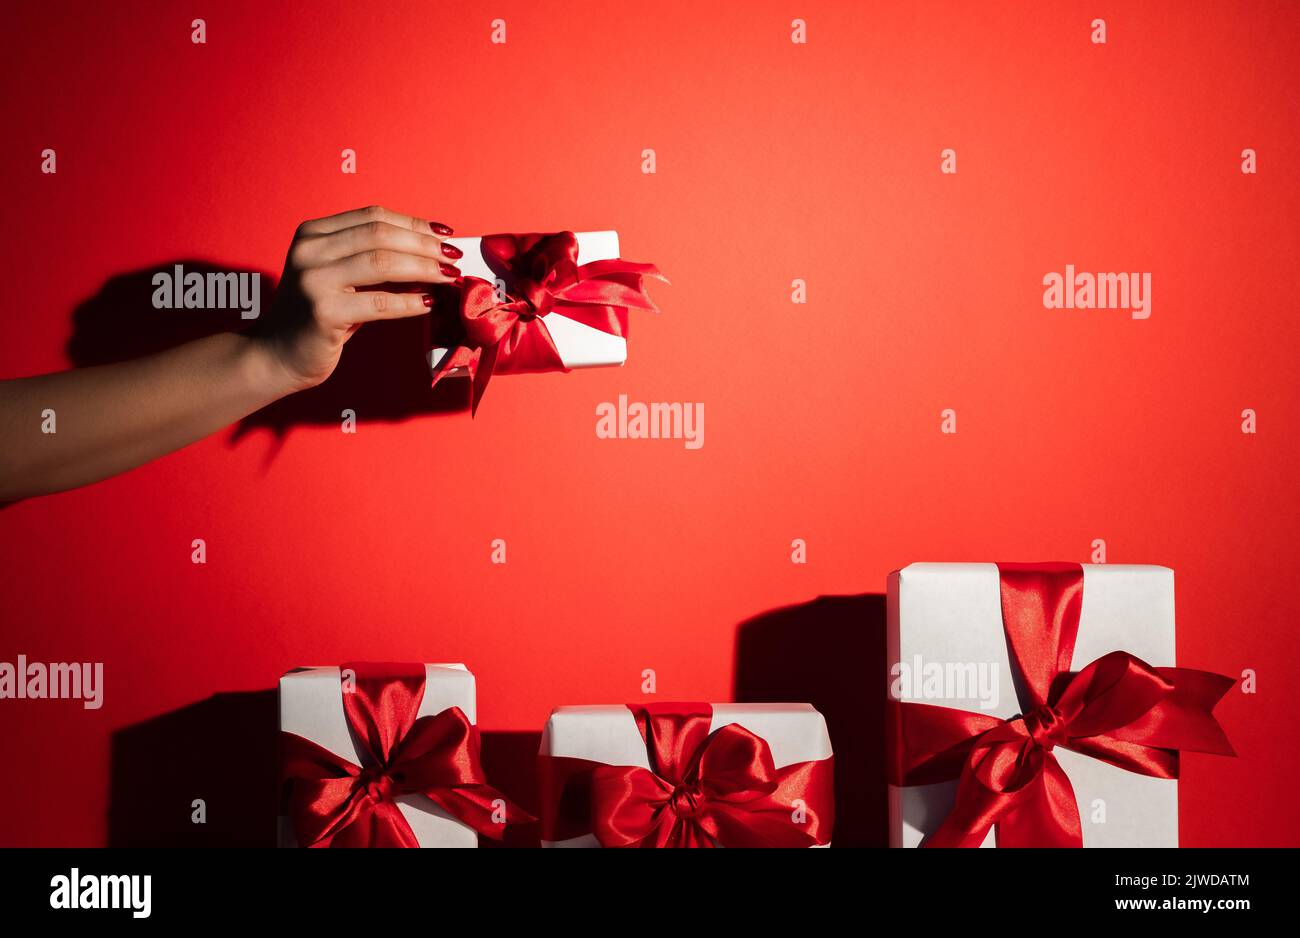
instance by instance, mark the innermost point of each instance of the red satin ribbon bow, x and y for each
(333, 803)
(703, 789)
(1118, 709)
(495, 335)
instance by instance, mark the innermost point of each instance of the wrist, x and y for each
(265, 371)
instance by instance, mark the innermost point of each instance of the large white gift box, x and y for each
(949, 615)
(579, 345)
(608, 734)
(311, 706)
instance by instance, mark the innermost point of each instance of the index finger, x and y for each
(361, 216)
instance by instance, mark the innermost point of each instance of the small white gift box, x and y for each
(579, 345)
(311, 706)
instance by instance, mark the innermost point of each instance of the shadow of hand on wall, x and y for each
(830, 653)
(383, 374)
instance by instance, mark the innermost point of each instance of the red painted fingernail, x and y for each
(439, 228)
(428, 300)
(452, 251)
(448, 270)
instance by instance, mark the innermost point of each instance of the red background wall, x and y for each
(775, 161)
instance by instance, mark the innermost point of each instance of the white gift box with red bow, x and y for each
(579, 345)
(608, 734)
(311, 706)
(949, 616)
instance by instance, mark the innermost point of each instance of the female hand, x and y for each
(345, 270)
(342, 271)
